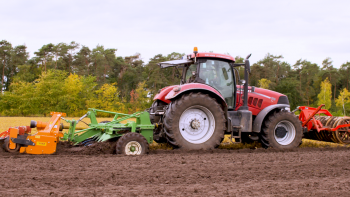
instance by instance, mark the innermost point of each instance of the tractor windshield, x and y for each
(218, 74)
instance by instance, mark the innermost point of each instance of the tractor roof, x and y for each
(175, 63)
(190, 59)
(214, 55)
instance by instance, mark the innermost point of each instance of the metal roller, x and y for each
(339, 136)
(342, 134)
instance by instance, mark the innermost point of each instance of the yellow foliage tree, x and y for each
(343, 98)
(325, 96)
(107, 98)
(138, 98)
(143, 99)
(264, 83)
(72, 87)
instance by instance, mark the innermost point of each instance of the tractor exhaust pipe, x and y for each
(246, 78)
(243, 111)
(246, 65)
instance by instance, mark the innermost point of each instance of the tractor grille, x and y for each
(255, 102)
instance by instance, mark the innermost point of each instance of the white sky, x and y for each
(307, 29)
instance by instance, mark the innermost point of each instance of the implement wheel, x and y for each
(132, 144)
(281, 130)
(6, 147)
(195, 121)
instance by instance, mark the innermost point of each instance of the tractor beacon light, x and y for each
(195, 51)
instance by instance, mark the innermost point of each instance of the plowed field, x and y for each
(245, 172)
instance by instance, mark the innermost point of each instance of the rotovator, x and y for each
(195, 114)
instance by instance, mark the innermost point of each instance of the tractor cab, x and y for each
(215, 70)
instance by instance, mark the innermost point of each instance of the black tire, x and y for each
(194, 101)
(281, 130)
(130, 140)
(6, 144)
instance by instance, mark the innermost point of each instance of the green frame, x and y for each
(114, 129)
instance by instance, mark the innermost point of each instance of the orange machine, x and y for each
(43, 142)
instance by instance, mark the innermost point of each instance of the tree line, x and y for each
(70, 77)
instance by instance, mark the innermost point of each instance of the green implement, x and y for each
(106, 130)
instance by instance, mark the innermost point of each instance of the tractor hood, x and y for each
(174, 63)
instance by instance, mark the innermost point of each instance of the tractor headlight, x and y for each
(177, 88)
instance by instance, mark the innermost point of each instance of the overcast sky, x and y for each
(312, 30)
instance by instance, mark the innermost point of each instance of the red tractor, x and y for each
(209, 104)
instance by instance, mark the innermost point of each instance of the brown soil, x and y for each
(246, 172)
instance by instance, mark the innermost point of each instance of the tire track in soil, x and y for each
(246, 172)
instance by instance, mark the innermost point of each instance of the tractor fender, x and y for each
(172, 92)
(219, 99)
(259, 119)
(162, 93)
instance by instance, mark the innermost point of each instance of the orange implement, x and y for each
(47, 137)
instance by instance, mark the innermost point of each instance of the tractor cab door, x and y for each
(219, 75)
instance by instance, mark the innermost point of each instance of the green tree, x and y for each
(344, 72)
(156, 77)
(49, 90)
(82, 62)
(332, 73)
(45, 55)
(20, 100)
(5, 58)
(271, 68)
(325, 96)
(59, 51)
(307, 76)
(289, 87)
(102, 59)
(128, 72)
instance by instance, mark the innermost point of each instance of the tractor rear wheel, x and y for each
(6, 147)
(132, 144)
(194, 121)
(281, 130)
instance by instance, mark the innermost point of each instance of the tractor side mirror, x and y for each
(242, 82)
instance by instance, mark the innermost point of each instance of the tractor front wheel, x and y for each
(132, 144)
(194, 121)
(281, 130)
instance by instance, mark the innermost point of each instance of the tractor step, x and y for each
(236, 134)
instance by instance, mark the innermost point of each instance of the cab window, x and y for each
(218, 74)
